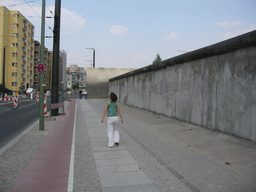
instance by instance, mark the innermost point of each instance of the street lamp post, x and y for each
(93, 55)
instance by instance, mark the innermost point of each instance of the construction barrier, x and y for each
(15, 103)
(56, 105)
(45, 105)
(7, 99)
(37, 96)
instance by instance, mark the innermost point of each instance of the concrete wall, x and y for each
(97, 80)
(214, 87)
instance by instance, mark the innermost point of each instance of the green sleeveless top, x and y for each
(112, 109)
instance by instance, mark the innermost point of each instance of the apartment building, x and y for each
(17, 50)
(75, 68)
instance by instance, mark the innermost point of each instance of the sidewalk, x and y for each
(156, 153)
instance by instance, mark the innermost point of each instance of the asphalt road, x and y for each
(14, 121)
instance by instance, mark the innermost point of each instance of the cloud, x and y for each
(71, 21)
(227, 24)
(118, 30)
(229, 34)
(173, 35)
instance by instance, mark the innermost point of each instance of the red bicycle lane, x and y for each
(49, 168)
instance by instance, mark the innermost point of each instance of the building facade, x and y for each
(47, 64)
(76, 74)
(17, 50)
(75, 68)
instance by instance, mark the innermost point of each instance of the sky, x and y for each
(130, 33)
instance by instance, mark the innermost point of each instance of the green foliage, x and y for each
(157, 59)
(76, 86)
(6, 90)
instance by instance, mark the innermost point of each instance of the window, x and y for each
(16, 15)
(15, 44)
(14, 74)
(14, 83)
(14, 54)
(15, 25)
(15, 35)
(14, 64)
(28, 34)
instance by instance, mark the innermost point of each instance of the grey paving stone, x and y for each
(132, 188)
(109, 162)
(123, 179)
(111, 155)
(118, 168)
(106, 148)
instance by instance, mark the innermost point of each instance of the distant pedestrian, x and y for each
(113, 122)
(80, 94)
(84, 93)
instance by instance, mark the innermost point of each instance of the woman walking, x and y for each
(113, 111)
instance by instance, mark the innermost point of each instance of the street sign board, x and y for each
(69, 84)
(40, 68)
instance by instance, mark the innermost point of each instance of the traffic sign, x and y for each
(40, 68)
(69, 84)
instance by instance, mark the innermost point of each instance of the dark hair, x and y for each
(113, 97)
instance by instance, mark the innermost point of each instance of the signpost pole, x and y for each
(42, 50)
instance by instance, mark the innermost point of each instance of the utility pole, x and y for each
(56, 49)
(42, 49)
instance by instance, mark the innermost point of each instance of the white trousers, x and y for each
(113, 133)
